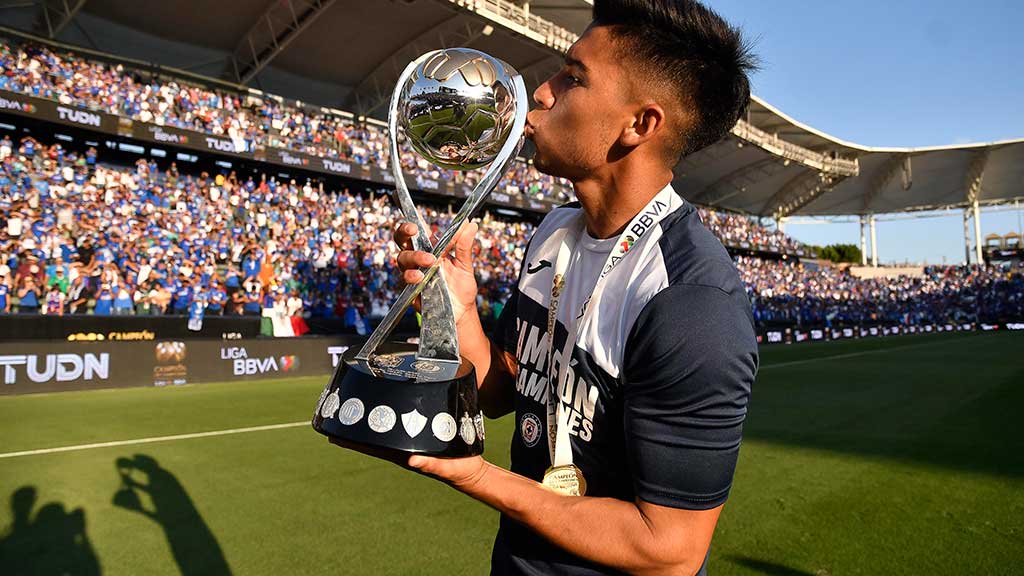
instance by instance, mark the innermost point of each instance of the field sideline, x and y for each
(881, 456)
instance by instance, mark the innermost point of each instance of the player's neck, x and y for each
(610, 202)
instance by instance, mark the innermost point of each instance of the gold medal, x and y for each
(566, 479)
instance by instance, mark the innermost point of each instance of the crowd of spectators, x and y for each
(78, 236)
(734, 230)
(249, 120)
(81, 237)
(788, 292)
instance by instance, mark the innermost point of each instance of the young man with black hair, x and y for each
(627, 351)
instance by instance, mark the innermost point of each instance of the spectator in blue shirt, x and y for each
(123, 302)
(217, 298)
(252, 307)
(5, 296)
(29, 296)
(251, 264)
(104, 301)
(182, 296)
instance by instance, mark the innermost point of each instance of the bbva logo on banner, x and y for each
(59, 367)
(243, 365)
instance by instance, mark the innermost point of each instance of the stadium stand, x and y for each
(249, 121)
(80, 236)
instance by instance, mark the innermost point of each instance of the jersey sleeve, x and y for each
(690, 362)
(506, 332)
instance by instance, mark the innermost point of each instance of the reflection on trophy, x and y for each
(460, 109)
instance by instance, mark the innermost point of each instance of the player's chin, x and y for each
(541, 158)
(549, 165)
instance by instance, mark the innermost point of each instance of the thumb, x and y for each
(421, 463)
(464, 241)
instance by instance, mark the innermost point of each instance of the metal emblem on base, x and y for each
(413, 422)
(443, 426)
(351, 411)
(459, 109)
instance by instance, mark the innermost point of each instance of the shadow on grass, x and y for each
(935, 402)
(193, 545)
(52, 541)
(768, 568)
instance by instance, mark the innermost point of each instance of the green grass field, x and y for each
(892, 456)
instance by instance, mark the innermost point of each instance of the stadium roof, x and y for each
(348, 54)
(735, 175)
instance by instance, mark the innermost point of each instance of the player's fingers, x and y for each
(413, 276)
(404, 234)
(410, 259)
(464, 240)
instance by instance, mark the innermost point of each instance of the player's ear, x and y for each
(648, 121)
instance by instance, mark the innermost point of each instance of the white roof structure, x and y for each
(347, 54)
(764, 167)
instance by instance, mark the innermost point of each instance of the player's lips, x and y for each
(531, 128)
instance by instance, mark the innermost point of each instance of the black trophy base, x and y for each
(397, 403)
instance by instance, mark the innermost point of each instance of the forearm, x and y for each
(494, 380)
(607, 531)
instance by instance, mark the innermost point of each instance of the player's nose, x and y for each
(543, 95)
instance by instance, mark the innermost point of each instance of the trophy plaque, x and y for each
(460, 109)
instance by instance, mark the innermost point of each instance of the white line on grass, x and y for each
(854, 354)
(153, 439)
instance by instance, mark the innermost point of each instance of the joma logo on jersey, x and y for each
(646, 219)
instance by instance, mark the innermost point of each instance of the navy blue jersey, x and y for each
(658, 380)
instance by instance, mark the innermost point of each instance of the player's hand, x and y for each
(458, 265)
(462, 473)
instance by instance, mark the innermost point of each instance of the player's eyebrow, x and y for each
(572, 61)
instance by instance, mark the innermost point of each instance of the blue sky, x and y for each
(897, 73)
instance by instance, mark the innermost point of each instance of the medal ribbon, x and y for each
(645, 220)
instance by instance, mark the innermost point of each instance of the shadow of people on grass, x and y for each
(193, 545)
(52, 542)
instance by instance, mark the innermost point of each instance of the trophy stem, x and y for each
(494, 173)
(438, 339)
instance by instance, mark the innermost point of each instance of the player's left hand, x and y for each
(462, 473)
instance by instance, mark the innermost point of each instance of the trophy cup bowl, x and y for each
(460, 109)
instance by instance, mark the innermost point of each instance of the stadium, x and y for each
(196, 224)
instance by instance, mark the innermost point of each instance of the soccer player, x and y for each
(630, 399)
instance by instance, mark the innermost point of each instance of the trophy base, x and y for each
(396, 402)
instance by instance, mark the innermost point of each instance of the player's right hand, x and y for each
(457, 264)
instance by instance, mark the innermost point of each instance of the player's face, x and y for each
(581, 109)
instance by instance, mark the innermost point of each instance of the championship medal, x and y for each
(567, 480)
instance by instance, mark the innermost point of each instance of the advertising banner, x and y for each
(89, 328)
(51, 111)
(29, 368)
(822, 333)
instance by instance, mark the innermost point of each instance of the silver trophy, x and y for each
(460, 109)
